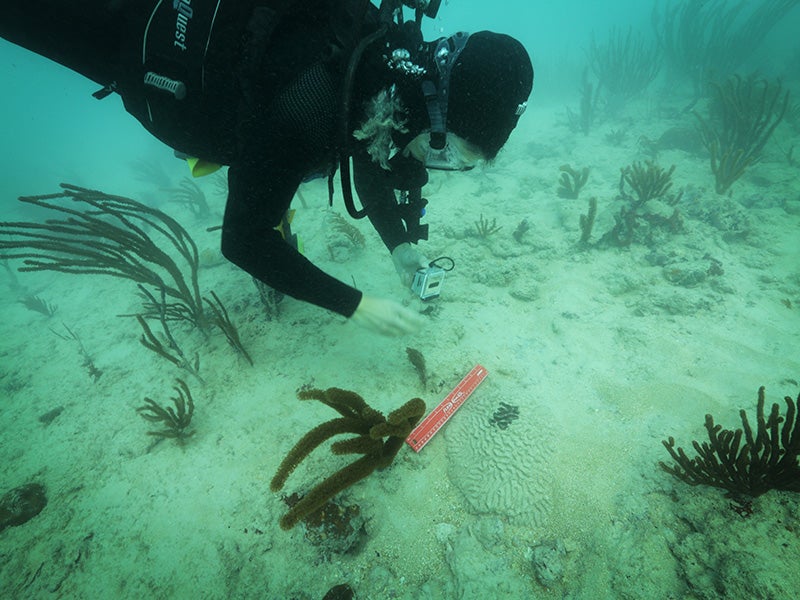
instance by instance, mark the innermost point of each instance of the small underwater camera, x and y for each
(428, 282)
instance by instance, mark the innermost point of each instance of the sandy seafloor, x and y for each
(604, 351)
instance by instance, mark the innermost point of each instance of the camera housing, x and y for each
(428, 282)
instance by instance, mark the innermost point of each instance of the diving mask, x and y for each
(457, 154)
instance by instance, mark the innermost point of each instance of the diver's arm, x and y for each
(260, 192)
(375, 189)
(250, 241)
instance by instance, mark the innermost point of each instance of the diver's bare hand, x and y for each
(407, 260)
(386, 317)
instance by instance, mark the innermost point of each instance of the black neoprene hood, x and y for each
(489, 84)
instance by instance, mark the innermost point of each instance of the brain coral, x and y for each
(502, 470)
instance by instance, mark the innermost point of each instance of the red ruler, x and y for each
(441, 414)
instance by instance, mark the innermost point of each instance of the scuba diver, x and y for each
(282, 90)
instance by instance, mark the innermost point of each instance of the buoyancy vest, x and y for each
(188, 65)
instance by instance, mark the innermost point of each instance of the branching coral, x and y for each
(647, 181)
(767, 460)
(571, 181)
(226, 326)
(172, 351)
(175, 421)
(587, 221)
(638, 184)
(484, 228)
(370, 427)
(37, 304)
(88, 361)
(699, 37)
(585, 118)
(625, 65)
(191, 195)
(349, 231)
(744, 114)
(110, 235)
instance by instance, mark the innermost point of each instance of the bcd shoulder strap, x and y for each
(344, 21)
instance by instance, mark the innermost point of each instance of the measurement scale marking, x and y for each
(428, 427)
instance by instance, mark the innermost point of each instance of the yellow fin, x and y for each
(200, 168)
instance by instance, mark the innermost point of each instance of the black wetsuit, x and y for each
(263, 100)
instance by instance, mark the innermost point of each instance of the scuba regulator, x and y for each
(390, 16)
